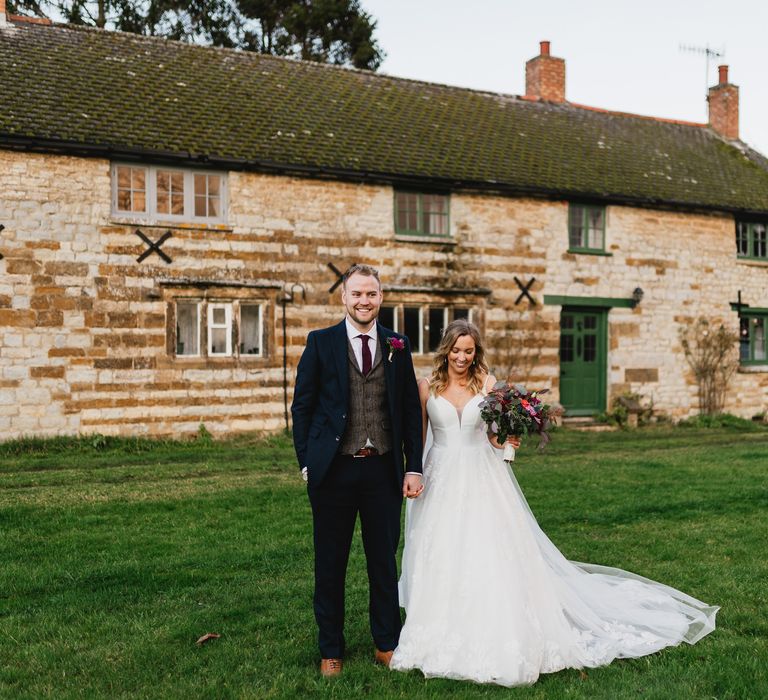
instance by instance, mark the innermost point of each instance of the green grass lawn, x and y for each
(115, 556)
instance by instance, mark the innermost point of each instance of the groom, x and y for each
(357, 432)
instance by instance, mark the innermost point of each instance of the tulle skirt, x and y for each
(490, 599)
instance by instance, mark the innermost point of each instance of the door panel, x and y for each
(582, 360)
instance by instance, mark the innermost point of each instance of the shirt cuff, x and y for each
(304, 473)
(414, 473)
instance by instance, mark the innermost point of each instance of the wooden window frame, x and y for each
(150, 213)
(745, 232)
(750, 321)
(419, 230)
(585, 209)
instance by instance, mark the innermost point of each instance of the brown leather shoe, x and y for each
(383, 657)
(331, 667)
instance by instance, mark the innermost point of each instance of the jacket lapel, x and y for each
(340, 351)
(389, 367)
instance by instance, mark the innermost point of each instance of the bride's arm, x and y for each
(424, 397)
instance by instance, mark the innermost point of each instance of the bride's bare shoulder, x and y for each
(423, 386)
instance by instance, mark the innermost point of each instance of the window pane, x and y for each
(201, 186)
(744, 339)
(214, 185)
(461, 313)
(566, 348)
(219, 315)
(250, 329)
(595, 226)
(566, 321)
(576, 226)
(758, 338)
(200, 206)
(163, 192)
(412, 326)
(187, 329)
(218, 341)
(407, 204)
(436, 327)
(590, 322)
(130, 189)
(742, 238)
(759, 240)
(590, 348)
(124, 178)
(214, 207)
(387, 317)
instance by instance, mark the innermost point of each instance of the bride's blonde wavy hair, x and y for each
(455, 330)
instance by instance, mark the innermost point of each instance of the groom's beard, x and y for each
(366, 320)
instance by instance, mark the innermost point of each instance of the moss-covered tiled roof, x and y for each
(108, 93)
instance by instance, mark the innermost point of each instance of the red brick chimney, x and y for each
(545, 76)
(723, 106)
(3, 15)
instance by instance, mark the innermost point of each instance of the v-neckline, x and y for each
(459, 411)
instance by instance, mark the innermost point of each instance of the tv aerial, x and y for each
(709, 53)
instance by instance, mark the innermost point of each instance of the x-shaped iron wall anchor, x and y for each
(524, 291)
(339, 276)
(154, 246)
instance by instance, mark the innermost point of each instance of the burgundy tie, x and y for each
(367, 361)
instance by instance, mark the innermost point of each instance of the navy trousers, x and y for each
(353, 485)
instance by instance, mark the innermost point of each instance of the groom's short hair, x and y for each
(365, 270)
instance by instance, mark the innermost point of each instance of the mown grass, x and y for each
(116, 555)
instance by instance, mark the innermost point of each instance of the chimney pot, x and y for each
(544, 50)
(722, 71)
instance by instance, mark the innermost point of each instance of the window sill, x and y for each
(753, 262)
(415, 238)
(752, 369)
(178, 225)
(587, 251)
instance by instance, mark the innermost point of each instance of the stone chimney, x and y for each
(723, 106)
(545, 76)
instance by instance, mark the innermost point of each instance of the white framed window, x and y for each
(251, 329)
(219, 329)
(188, 329)
(424, 325)
(168, 194)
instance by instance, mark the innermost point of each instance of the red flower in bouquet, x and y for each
(513, 411)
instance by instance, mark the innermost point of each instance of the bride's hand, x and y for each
(513, 440)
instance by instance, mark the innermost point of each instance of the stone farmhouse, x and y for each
(175, 219)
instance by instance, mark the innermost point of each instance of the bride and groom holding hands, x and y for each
(488, 597)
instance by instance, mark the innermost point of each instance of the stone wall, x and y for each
(86, 330)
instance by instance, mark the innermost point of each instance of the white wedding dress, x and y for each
(490, 599)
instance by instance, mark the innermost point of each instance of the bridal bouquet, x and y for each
(513, 411)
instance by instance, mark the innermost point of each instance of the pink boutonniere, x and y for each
(394, 345)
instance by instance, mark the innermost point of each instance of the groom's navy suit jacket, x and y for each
(321, 402)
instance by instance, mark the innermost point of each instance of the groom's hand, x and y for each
(412, 486)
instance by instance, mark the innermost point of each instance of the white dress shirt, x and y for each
(357, 342)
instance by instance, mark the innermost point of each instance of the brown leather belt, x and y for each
(366, 452)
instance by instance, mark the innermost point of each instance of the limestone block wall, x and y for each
(86, 331)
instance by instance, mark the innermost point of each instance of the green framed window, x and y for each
(752, 240)
(421, 214)
(752, 339)
(586, 228)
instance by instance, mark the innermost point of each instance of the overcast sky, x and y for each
(623, 55)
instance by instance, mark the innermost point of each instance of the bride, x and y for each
(488, 597)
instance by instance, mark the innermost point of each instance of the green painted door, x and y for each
(583, 351)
